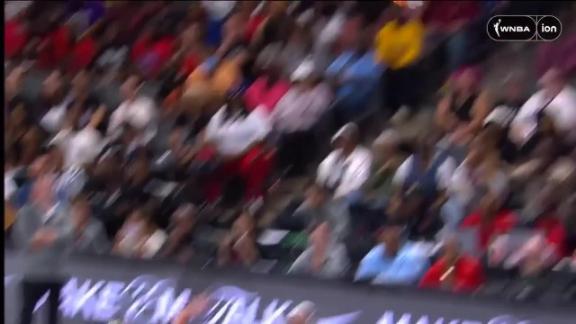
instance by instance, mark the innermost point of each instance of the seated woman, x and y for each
(295, 118)
(461, 112)
(490, 219)
(239, 246)
(325, 257)
(139, 237)
(454, 270)
(236, 139)
(267, 90)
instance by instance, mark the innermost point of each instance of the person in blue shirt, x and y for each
(393, 261)
(356, 75)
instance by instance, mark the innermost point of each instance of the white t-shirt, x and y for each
(234, 135)
(562, 111)
(140, 113)
(83, 147)
(348, 174)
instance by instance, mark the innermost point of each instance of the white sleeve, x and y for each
(323, 172)
(214, 124)
(402, 172)
(116, 120)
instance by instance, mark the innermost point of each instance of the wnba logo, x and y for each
(524, 28)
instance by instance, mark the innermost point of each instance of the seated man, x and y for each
(356, 74)
(347, 168)
(325, 257)
(454, 270)
(394, 261)
(318, 207)
(554, 101)
(428, 169)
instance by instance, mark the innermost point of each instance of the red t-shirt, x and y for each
(83, 53)
(502, 223)
(57, 47)
(468, 274)
(555, 234)
(15, 38)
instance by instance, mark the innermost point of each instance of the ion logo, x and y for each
(524, 28)
(549, 28)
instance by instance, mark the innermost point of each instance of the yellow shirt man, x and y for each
(399, 45)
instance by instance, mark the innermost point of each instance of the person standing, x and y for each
(399, 46)
(43, 234)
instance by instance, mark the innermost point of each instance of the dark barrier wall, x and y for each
(100, 290)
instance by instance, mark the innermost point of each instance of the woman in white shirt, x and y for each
(237, 137)
(137, 110)
(347, 168)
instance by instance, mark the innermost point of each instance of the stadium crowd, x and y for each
(249, 95)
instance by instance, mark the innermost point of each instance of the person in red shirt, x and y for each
(84, 52)
(454, 270)
(554, 232)
(15, 36)
(491, 220)
(55, 46)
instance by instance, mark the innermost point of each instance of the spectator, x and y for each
(267, 90)
(139, 237)
(216, 76)
(181, 233)
(88, 233)
(137, 110)
(325, 256)
(429, 168)
(53, 102)
(347, 168)
(567, 264)
(237, 138)
(295, 118)
(289, 54)
(355, 74)
(462, 111)
(389, 154)
(15, 32)
(481, 171)
(398, 46)
(491, 219)
(239, 246)
(554, 101)
(42, 232)
(393, 261)
(454, 270)
(319, 207)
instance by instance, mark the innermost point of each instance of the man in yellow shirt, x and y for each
(399, 45)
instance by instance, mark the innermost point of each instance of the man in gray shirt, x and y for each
(325, 257)
(42, 233)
